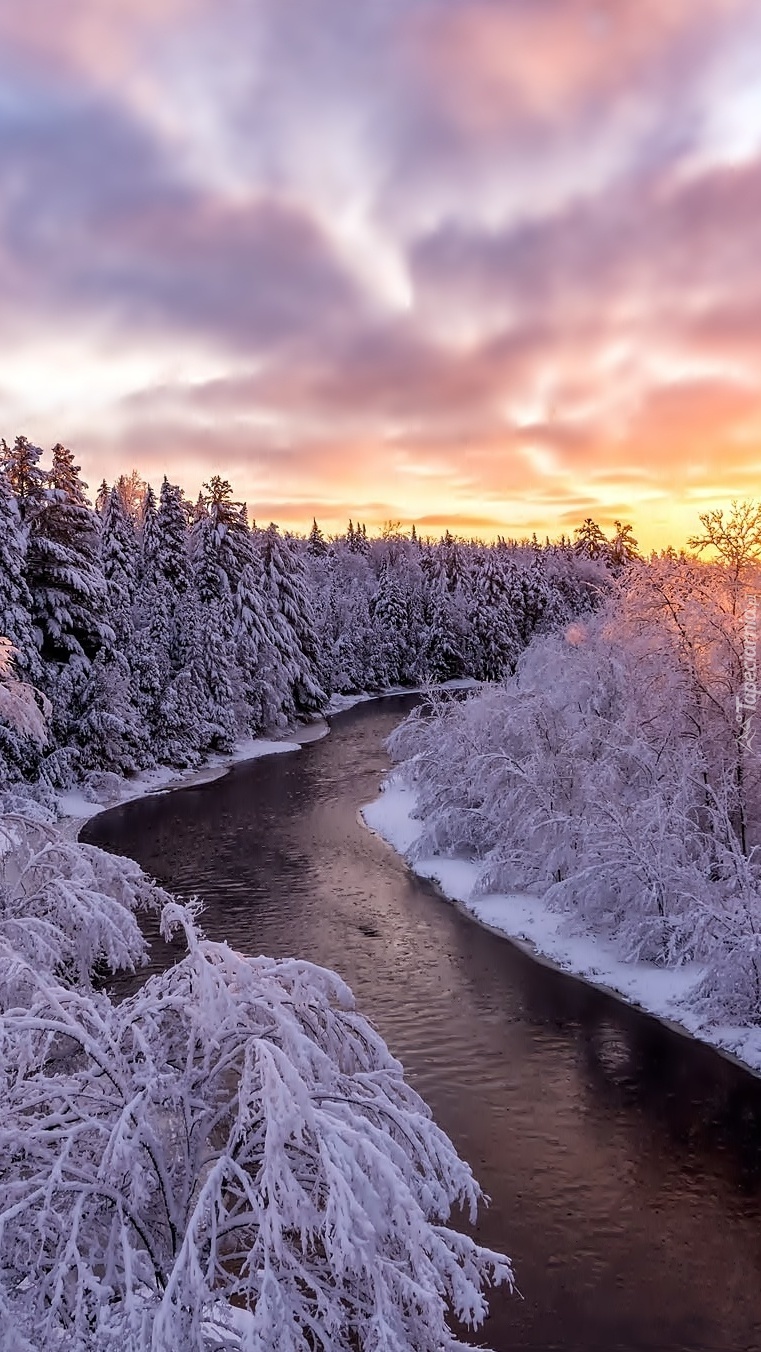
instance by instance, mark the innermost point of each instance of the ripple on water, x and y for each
(623, 1161)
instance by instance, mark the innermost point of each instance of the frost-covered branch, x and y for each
(231, 1154)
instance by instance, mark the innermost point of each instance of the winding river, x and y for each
(623, 1160)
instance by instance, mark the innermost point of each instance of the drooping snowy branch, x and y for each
(612, 775)
(229, 1158)
(66, 908)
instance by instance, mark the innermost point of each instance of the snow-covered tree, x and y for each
(15, 599)
(20, 465)
(230, 1158)
(495, 638)
(23, 713)
(735, 539)
(119, 558)
(285, 585)
(316, 546)
(64, 573)
(591, 541)
(390, 625)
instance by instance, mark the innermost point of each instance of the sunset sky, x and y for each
(491, 264)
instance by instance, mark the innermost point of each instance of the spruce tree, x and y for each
(496, 642)
(316, 546)
(119, 558)
(285, 585)
(390, 625)
(15, 598)
(20, 464)
(64, 572)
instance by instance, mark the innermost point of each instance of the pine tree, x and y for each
(496, 640)
(591, 541)
(15, 599)
(390, 625)
(101, 497)
(64, 573)
(443, 659)
(172, 554)
(149, 535)
(119, 558)
(215, 558)
(316, 546)
(108, 729)
(285, 586)
(27, 481)
(624, 549)
(166, 619)
(19, 657)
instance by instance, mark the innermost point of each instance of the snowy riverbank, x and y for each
(76, 807)
(527, 921)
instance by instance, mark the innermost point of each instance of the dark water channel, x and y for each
(623, 1161)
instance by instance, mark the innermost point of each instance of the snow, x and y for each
(339, 704)
(213, 1078)
(528, 922)
(164, 779)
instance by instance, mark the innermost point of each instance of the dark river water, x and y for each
(623, 1161)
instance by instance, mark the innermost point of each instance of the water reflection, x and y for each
(622, 1159)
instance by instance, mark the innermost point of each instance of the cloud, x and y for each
(493, 261)
(497, 59)
(94, 220)
(91, 39)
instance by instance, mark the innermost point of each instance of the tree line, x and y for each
(160, 629)
(617, 772)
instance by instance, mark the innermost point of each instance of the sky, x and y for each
(492, 265)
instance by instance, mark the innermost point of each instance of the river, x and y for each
(623, 1160)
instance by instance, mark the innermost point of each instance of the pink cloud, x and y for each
(492, 59)
(93, 37)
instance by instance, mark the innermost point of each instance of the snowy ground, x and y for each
(529, 922)
(76, 806)
(340, 703)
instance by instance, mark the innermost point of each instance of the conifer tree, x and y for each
(390, 625)
(213, 662)
(149, 534)
(119, 557)
(286, 588)
(496, 642)
(101, 497)
(443, 659)
(316, 546)
(172, 534)
(15, 599)
(591, 541)
(64, 572)
(20, 464)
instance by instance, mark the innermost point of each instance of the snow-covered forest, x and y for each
(614, 773)
(160, 629)
(230, 1158)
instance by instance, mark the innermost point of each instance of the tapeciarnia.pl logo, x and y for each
(746, 701)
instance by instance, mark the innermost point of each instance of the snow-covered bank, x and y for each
(530, 923)
(75, 806)
(339, 704)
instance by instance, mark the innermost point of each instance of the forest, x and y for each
(231, 1158)
(160, 630)
(616, 773)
